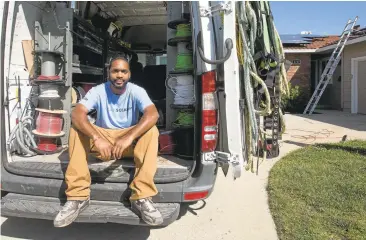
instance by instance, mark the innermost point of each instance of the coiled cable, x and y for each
(185, 118)
(183, 89)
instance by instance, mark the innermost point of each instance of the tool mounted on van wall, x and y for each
(330, 67)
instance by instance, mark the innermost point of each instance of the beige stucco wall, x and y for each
(349, 52)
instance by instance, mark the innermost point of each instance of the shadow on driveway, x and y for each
(338, 118)
(22, 228)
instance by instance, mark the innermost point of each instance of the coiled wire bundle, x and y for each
(182, 88)
(185, 118)
(184, 30)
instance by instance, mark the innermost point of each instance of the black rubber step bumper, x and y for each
(114, 173)
(36, 207)
(55, 188)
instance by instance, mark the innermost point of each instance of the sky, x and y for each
(319, 17)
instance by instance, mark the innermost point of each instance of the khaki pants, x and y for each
(145, 152)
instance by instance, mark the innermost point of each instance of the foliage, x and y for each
(296, 101)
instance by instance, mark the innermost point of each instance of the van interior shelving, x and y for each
(147, 38)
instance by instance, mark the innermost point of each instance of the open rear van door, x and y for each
(217, 25)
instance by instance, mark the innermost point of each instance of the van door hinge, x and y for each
(216, 9)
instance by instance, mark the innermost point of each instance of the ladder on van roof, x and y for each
(330, 67)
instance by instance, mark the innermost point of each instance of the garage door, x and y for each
(361, 82)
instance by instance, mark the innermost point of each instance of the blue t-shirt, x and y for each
(116, 111)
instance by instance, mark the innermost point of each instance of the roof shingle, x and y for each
(322, 41)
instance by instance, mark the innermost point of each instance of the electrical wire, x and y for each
(184, 30)
(247, 32)
(183, 89)
(185, 119)
(22, 136)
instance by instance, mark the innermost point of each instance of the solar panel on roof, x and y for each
(298, 38)
(295, 42)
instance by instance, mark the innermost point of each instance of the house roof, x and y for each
(359, 35)
(313, 43)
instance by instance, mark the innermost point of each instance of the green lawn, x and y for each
(319, 192)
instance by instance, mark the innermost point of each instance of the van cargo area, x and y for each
(67, 51)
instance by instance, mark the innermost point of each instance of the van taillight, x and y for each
(209, 113)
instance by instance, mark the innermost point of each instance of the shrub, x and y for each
(296, 101)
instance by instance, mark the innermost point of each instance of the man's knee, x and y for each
(153, 132)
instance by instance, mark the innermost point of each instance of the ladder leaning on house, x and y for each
(330, 67)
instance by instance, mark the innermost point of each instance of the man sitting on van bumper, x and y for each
(117, 133)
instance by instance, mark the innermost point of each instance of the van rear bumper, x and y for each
(26, 206)
(55, 188)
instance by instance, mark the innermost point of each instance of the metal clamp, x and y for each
(211, 11)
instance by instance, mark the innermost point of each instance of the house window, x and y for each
(296, 62)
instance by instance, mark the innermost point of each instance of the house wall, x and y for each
(331, 97)
(299, 74)
(349, 52)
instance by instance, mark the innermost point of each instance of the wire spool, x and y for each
(184, 62)
(184, 95)
(183, 47)
(49, 91)
(185, 119)
(48, 65)
(183, 89)
(50, 103)
(47, 144)
(49, 123)
(184, 30)
(166, 143)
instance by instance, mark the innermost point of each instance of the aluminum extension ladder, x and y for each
(330, 67)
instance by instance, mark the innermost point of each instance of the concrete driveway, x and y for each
(236, 209)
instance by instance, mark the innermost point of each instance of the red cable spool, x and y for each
(47, 144)
(49, 123)
(166, 143)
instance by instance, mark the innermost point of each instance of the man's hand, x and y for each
(104, 148)
(121, 145)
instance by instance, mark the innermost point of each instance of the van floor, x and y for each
(170, 168)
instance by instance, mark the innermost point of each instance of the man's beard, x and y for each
(116, 85)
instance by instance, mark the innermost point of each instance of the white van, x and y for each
(58, 50)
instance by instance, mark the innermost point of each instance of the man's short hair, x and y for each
(123, 58)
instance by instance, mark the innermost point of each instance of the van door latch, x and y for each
(221, 157)
(211, 11)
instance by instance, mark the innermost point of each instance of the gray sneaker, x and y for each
(69, 212)
(147, 211)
